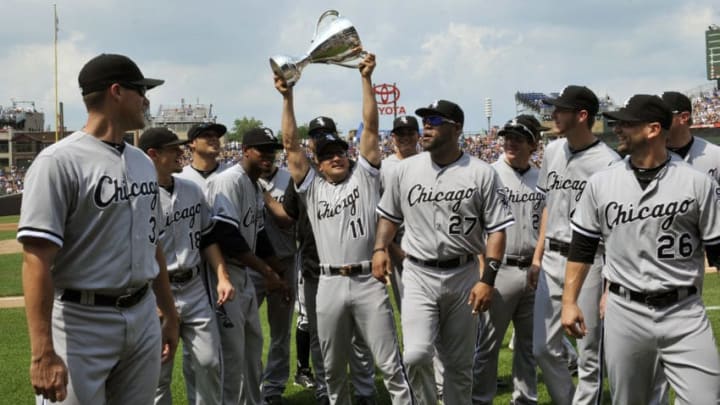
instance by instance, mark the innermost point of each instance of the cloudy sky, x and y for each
(462, 50)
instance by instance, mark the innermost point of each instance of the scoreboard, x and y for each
(712, 46)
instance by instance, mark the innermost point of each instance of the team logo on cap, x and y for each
(404, 120)
(269, 133)
(320, 122)
(435, 104)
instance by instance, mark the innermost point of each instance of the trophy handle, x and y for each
(328, 13)
(355, 65)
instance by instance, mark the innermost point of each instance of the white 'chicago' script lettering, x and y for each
(617, 213)
(419, 194)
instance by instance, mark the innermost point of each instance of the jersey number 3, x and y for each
(666, 248)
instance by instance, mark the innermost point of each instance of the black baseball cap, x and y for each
(322, 125)
(260, 136)
(643, 108)
(157, 138)
(677, 102)
(105, 69)
(198, 129)
(576, 98)
(406, 121)
(323, 142)
(524, 125)
(443, 108)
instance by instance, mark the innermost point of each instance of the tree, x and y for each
(302, 132)
(240, 126)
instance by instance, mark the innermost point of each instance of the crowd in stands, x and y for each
(11, 182)
(706, 108)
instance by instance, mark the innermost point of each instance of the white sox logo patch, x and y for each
(328, 210)
(618, 213)
(419, 194)
(557, 182)
(111, 191)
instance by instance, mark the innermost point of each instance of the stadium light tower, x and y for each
(488, 112)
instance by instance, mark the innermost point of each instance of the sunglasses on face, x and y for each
(329, 155)
(140, 89)
(436, 121)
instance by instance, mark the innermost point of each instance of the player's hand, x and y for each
(49, 377)
(532, 276)
(480, 297)
(381, 266)
(273, 281)
(170, 327)
(603, 303)
(573, 321)
(367, 66)
(282, 86)
(225, 291)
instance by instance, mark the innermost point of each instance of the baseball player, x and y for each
(237, 203)
(696, 151)
(187, 226)
(204, 144)
(89, 226)
(512, 297)
(405, 135)
(656, 207)
(447, 201)
(340, 204)
(279, 310)
(567, 164)
(362, 368)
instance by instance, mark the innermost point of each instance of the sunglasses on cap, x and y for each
(436, 121)
(140, 89)
(524, 129)
(329, 155)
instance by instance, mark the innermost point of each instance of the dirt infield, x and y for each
(8, 227)
(12, 302)
(10, 246)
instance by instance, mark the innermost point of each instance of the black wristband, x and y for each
(379, 250)
(492, 266)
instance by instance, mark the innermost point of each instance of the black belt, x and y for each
(122, 301)
(521, 262)
(183, 276)
(658, 300)
(557, 246)
(347, 270)
(443, 264)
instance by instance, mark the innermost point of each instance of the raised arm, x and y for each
(298, 164)
(369, 139)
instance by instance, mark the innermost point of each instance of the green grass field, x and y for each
(14, 351)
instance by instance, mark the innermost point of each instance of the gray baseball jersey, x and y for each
(237, 200)
(186, 218)
(342, 215)
(386, 170)
(100, 206)
(704, 156)
(526, 205)
(283, 240)
(446, 210)
(679, 218)
(193, 175)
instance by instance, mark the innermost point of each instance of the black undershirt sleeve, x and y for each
(291, 201)
(228, 237)
(582, 248)
(263, 248)
(713, 255)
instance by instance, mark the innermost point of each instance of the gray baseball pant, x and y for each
(242, 345)
(279, 315)
(199, 333)
(437, 315)
(362, 367)
(680, 335)
(512, 300)
(358, 304)
(112, 355)
(548, 334)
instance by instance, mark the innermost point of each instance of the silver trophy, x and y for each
(336, 42)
